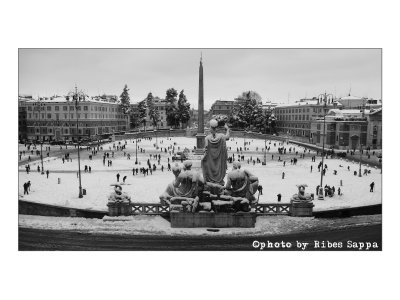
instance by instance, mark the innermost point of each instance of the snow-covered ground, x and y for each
(148, 188)
(156, 225)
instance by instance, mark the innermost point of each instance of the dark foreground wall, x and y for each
(349, 212)
(40, 209)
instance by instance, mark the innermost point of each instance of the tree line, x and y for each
(177, 109)
(248, 114)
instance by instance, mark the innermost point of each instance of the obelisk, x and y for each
(200, 136)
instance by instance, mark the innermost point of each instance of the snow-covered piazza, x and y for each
(61, 186)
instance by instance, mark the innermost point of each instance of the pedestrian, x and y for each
(372, 187)
(123, 179)
(90, 169)
(29, 186)
(47, 173)
(279, 197)
(311, 168)
(38, 169)
(118, 177)
(26, 188)
(260, 189)
(283, 175)
(339, 191)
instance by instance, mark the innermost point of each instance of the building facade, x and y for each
(55, 118)
(295, 119)
(222, 107)
(347, 129)
(22, 117)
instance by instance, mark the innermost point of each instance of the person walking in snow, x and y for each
(118, 177)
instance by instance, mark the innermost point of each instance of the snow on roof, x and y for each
(349, 97)
(64, 99)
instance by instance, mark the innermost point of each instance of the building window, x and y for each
(85, 108)
(86, 116)
(30, 108)
(65, 108)
(48, 116)
(57, 108)
(48, 108)
(71, 108)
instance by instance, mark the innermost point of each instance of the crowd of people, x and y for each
(161, 154)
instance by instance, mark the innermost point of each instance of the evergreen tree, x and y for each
(142, 108)
(171, 108)
(125, 100)
(153, 113)
(248, 111)
(249, 95)
(183, 108)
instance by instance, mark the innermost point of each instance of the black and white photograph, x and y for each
(200, 149)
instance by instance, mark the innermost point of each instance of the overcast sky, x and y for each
(279, 75)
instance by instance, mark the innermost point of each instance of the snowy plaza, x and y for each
(98, 183)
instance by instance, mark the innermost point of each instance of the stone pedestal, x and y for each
(213, 220)
(301, 208)
(119, 208)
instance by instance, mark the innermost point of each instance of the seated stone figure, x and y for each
(183, 195)
(241, 183)
(170, 191)
(119, 203)
(118, 195)
(302, 195)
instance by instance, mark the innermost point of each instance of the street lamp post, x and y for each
(323, 97)
(41, 156)
(77, 96)
(155, 131)
(359, 169)
(40, 132)
(244, 141)
(136, 162)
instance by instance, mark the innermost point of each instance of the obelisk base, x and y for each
(200, 137)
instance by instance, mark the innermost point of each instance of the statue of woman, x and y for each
(214, 162)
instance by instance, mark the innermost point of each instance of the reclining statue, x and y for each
(182, 194)
(241, 183)
(170, 191)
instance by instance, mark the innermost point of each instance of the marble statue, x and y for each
(214, 162)
(183, 194)
(241, 183)
(118, 195)
(170, 191)
(302, 195)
